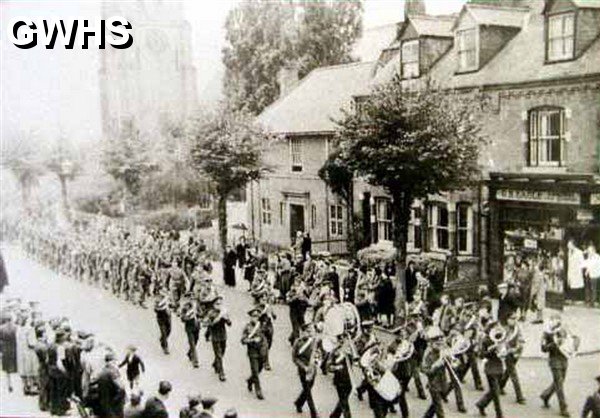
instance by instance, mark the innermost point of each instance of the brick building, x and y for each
(538, 62)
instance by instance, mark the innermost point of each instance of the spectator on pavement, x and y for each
(134, 409)
(591, 408)
(155, 405)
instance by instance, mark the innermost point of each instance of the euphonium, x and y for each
(498, 336)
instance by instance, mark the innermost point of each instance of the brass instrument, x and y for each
(498, 336)
(567, 343)
(404, 351)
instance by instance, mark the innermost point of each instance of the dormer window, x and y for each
(410, 59)
(561, 37)
(466, 39)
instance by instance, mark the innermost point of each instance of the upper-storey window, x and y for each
(561, 36)
(546, 136)
(296, 154)
(466, 40)
(410, 59)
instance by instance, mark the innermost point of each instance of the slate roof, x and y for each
(316, 100)
(433, 25)
(585, 4)
(494, 15)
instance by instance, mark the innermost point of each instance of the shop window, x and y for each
(313, 216)
(383, 219)
(336, 220)
(265, 205)
(561, 37)
(467, 49)
(414, 227)
(546, 136)
(410, 59)
(438, 227)
(464, 227)
(296, 154)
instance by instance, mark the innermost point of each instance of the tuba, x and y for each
(498, 336)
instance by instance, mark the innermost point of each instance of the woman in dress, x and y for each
(229, 260)
(8, 345)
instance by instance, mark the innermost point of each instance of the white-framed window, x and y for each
(439, 236)
(336, 220)
(281, 213)
(468, 58)
(561, 36)
(410, 59)
(296, 154)
(464, 228)
(266, 214)
(546, 136)
(414, 227)
(313, 216)
(383, 208)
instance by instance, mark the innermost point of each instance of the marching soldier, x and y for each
(338, 364)
(434, 368)
(216, 331)
(163, 318)
(454, 379)
(306, 355)
(558, 364)
(444, 316)
(514, 346)
(363, 342)
(403, 369)
(471, 331)
(494, 369)
(256, 343)
(189, 317)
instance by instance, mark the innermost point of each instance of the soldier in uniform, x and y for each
(558, 364)
(306, 357)
(191, 323)
(297, 300)
(514, 345)
(337, 363)
(434, 368)
(163, 318)
(494, 370)
(256, 343)
(216, 332)
(363, 342)
(470, 325)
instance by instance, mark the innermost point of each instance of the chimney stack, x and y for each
(414, 7)
(287, 78)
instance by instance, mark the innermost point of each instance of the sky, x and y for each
(48, 93)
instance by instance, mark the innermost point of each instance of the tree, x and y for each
(264, 36)
(126, 159)
(63, 162)
(339, 177)
(21, 155)
(227, 148)
(413, 144)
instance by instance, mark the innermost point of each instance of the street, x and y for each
(118, 323)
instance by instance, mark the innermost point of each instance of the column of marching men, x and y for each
(335, 323)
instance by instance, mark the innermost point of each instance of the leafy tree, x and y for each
(413, 144)
(126, 159)
(21, 156)
(263, 36)
(227, 148)
(339, 177)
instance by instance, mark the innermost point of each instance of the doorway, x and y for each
(296, 221)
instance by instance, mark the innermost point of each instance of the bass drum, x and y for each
(342, 318)
(388, 386)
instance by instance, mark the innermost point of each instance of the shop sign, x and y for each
(530, 243)
(595, 199)
(563, 198)
(585, 215)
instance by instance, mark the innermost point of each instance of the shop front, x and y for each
(543, 222)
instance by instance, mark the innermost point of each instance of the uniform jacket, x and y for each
(493, 365)
(436, 375)
(556, 359)
(255, 340)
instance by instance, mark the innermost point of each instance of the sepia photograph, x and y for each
(299, 208)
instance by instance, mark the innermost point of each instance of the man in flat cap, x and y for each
(110, 390)
(155, 405)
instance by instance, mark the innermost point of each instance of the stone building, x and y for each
(539, 64)
(152, 82)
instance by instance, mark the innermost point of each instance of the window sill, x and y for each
(550, 169)
(559, 60)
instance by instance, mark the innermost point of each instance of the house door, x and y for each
(296, 221)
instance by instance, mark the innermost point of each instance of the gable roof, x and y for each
(521, 60)
(493, 15)
(373, 40)
(432, 25)
(587, 4)
(318, 98)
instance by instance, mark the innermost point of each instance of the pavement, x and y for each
(118, 323)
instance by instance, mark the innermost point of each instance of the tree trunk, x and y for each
(222, 209)
(401, 203)
(63, 192)
(352, 244)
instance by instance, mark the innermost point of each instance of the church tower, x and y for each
(154, 81)
(414, 7)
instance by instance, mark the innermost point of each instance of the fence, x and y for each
(336, 247)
